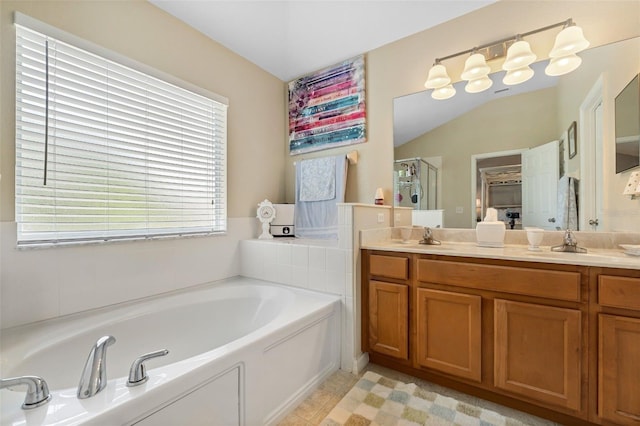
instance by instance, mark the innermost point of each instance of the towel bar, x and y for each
(352, 157)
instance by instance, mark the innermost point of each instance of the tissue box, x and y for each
(490, 234)
(282, 224)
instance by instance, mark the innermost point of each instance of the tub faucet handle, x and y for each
(37, 390)
(138, 372)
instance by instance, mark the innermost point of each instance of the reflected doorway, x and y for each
(496, 181)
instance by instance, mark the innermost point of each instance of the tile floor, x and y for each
(316, 407)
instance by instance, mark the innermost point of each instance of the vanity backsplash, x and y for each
(593, 240)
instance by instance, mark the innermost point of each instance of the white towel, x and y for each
(567, 214)
(318, 179)
(319, 219)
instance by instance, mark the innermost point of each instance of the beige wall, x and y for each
(259, 164)
(400, 68)
(146, 34)
(501, 125)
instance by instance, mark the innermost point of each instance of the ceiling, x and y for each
(295, 37)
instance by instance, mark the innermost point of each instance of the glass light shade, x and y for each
(569, 40)
(519, 55)
(475, 67)
(443, 92)
(518, 76)
(437, 77)
(563, 65)
(478, 85)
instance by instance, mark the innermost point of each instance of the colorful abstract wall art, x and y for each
(327, 108)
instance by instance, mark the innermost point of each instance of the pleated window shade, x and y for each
(105, 152)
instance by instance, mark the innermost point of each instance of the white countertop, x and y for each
(609, 258)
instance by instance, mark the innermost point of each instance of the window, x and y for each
(104, 151)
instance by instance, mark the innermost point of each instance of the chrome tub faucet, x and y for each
(94, 374)
(37, 390)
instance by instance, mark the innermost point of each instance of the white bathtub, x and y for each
(241, 351)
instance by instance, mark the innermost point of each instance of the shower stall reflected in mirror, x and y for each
(415, 184)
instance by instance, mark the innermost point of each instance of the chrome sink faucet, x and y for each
(37, 390)
(569, 244)
(427, 237)
(94, 374)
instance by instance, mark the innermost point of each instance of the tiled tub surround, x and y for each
(314, 264)
(240, 350)
(317, 265)
(331, 266)
(603, 248)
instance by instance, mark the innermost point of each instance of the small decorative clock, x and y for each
(266, 213)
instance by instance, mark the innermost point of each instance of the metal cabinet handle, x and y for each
(138, 372)
(593, 222)
(552, 219)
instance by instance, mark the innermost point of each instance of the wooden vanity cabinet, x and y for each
(513, 332)
(618, 346)
(535, 350)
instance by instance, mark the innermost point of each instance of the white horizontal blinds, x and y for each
(128, 155)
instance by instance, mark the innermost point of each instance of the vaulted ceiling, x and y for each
(294, 37)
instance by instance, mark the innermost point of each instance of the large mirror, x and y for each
(628, 126)
(519, 149)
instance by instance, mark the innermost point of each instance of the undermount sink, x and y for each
(567, 254)
(433, 246)
(416, 244)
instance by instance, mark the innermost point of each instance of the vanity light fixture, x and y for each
(444, 92)
(478, 85)
(475, 67)
(563, 59)
(519, 57)
(518, 76)
(437, 77)
(476, 72)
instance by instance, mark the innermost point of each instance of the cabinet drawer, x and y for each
(619, 292)
(389, 266)
(559, 285)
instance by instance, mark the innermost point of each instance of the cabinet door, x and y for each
(619, 369)
(389, 319)
(537, 352)
(449, 332)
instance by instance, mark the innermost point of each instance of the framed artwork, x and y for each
(327, 108)
(571, 136)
